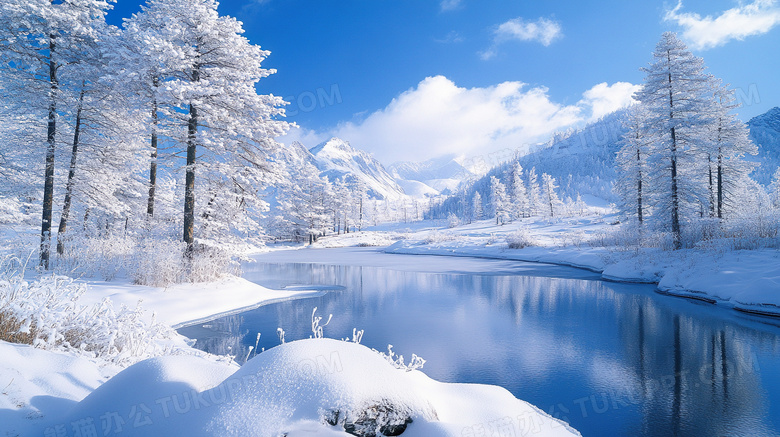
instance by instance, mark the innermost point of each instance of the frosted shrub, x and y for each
(520, 239)
(416, 363)
(146, 260)
(102, 256)
(157, 262)
(209, 263)
(46, 313)
(452, 220)
(316, 328)
(439, 237)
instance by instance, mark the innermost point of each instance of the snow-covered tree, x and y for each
(551, 201)
(499, 202)
(212, 83)
(39, 40)
(519, 197)
(728, 145)
(535, 206)
(774, 189)
(678, 99)
(476, 208)
(631, 160)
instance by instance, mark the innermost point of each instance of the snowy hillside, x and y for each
(337, 159)
(765, 133)
(581, 161)
(435, 176)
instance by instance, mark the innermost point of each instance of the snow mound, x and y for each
(307, 387)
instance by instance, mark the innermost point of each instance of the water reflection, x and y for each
(611, 359)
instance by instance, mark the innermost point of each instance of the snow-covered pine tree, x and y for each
(728, 145)
(678, 99)
(552, 203)
(774, 189)
(535, 206)
(519, 197)
(631, 161)
(499, 202)
(476, 208)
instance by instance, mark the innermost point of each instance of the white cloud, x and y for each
(307, 137)
(737, 23)
(603, 99)
(437, 117)
(449, 5)
(543, 30)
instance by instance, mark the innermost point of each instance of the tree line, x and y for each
(156, 125)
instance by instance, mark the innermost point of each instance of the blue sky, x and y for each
(413, 79)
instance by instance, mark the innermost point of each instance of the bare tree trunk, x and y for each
(676, 234)
(360, 214)
(720, 184)
(189, 183)
(48, 186)
(639, 212)
(71, 174)
(710, 187)
(153, 162)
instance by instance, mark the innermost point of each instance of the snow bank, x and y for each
(34, 383)
(747, 280)
(307, 387)
(184, 304)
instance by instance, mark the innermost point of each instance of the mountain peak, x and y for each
(770, 118)
(337, 160)
(333, 144)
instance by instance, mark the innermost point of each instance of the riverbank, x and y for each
(744, 280)
(60, 391)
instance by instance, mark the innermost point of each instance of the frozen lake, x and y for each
(609, 358)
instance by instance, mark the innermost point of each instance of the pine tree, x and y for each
(728, 144)
(551, 200)
(534, 194)
(774, 189)
(476, 208)
(677, 97)
(631, 161)
(498, 200)
(519, 193)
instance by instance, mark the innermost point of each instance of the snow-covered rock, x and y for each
(307, 387)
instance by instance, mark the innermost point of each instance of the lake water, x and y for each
(609, 358)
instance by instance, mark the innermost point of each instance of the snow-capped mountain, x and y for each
(432, 177)
(337, 159)
(765, 133)
(582, 161)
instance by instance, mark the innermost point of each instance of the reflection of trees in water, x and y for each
(687, 371)
(697, 373)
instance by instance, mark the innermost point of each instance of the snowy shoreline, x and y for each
(743, 280)
(691, 283)
(54, 392)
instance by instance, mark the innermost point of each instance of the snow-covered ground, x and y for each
(309, 387)
(313, 387)
(747, 280)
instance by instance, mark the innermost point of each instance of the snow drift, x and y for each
(308, 387)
